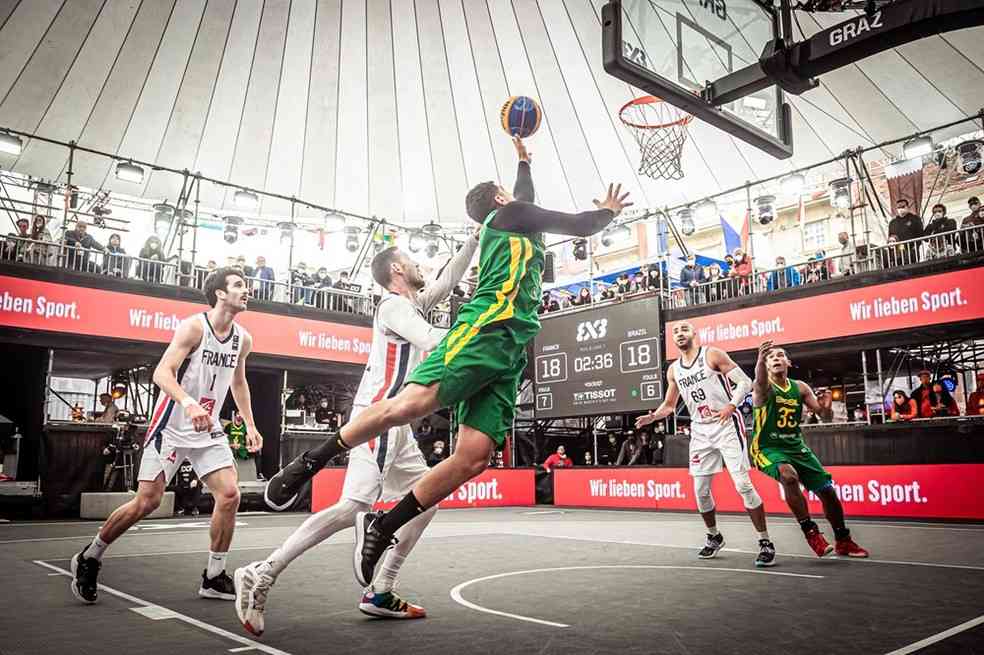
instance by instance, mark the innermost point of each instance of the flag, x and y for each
(732, 239)
(746, 228)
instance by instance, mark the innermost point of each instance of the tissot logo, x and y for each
(856, 28)
(589, 330)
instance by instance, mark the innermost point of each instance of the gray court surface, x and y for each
(531, 580)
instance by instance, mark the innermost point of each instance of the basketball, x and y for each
(521, 116)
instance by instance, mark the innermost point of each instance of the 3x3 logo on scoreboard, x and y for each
(604, 360)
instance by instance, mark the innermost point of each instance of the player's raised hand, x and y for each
(615, 200)
(200, 419)
(521, 151)
(644, 420)
(764, 350)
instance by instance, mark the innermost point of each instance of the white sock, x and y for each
(216, 564)
(764, 535)
(713, 531)
(313, 531)
(408, 535)
(96, 548)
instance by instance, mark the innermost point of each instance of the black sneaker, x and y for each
(714, 543)
(767, 554)
(85, 572)
(283, 488)
(370, 544)
(221, 587)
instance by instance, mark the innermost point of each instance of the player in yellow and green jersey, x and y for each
(778, 450)
(477, 367)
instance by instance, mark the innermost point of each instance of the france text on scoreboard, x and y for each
(603, 360)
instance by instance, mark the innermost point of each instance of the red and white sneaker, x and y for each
(387, 604)
(847, 548)
(818, 543)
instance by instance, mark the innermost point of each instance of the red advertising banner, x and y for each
(938, 491)
(493, 488)
(944, 298)
(80, 310)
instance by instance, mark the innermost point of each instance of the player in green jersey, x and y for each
(778, 450)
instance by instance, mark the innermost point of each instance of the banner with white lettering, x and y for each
(939, 491)
(493, 488)
(930, 300)
(81, 310)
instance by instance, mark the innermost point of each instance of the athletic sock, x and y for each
(96, 549)
(404, 512)
(764, 535)
(323, 453)
(313, 531)
(216, 564)
(807, 525)
(390, 569)
(713, 531)
(841, 534)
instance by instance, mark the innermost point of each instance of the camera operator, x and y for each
(187, 490)
(109, 409)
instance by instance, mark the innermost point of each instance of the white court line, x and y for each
(140, 533)
(940, 636)
(543, 512)
(629, 542)
(177, 615)
(456, 592)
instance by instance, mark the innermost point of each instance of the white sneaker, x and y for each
(253, 583)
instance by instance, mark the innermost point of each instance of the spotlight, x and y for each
(431, 248)
(706, 210)
(792, 185)
(286, 230)
(766, 209)
(580, 249)
(231, 231)
(129, 172)
(334, 222)
(840, 193)
(245, 199)
(352, 238)
(119, 390)
(686, 219)
(970, 156)
(917, 147)
(615, 235)
(10, 144)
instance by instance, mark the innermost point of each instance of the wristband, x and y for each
(187, 400)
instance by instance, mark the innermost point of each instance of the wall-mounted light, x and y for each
(129, 172)
(840, 193)
(766, 209)
(917, 147)
(685, 217)
(231, 231)
(616, 234)
(580, 249)
(970, 156)
(352, 237)
(163, 214)
(10, 143)
(244, 199)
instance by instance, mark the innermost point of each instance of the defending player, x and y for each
(205, 360)
(778, 450)
(477, 367)
(713, 387)
(385, 468)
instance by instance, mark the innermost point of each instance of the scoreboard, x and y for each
(605, 360)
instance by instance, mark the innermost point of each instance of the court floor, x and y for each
(515, 580)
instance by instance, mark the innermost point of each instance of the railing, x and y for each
(168, 273)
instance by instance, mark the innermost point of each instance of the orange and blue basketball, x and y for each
(521, 116)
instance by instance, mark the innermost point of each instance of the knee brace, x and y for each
(702, 490)
(745, 488)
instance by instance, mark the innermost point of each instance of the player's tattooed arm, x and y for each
(760, 386)
(186, 339)
(666, 407)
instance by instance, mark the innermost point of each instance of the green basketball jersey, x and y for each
(510, 272)
(777, 423)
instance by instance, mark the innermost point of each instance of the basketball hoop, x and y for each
(660, 129)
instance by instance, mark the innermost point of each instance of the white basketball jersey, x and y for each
(704, 390)
(205, 376)
(391, 359)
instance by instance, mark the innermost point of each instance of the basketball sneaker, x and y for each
(817, 542)
(283, 488)
(714, 543)
(370, 544)
(767, 554)
(220, 587)
(847, 548)
(252, 583)
(386, 604)
(85, 574)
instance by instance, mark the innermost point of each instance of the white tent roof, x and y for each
(390, 107)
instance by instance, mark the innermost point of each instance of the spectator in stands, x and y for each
(608, 293)
(940, 228)
(784, 276)
(115, 261)
(79, 242)
(972, 240)
(942, 401)
(630, 452)
(975, 401)
(818, 269)
(323, 414)
(716, 284)
(844, 257)
(548, 303)
(622, 284)
(645, 449)
(583, 297)
(264, 277)
(653, 277)
(437, 454)
(150, 267)
(110, 409)
(921, 394)
(587, 459)
(42, 251)
(321, 280)
(301, 282)
(241, 264)
(638, 282)
(903, 407)
(558, 460)
(742, 271)
(904, 227)
(16, 244)
(201, 274)
(608, 452)
(691, 277)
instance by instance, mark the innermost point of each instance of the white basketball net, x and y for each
(660, 129)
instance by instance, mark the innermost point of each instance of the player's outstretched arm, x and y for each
(186, 339)
(523, 188)
(527, 218)
(240, 394)
(666, 407)
(809, 398)
(760, 386)
(436, 290)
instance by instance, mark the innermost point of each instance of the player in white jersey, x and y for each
(204, 361)
(712, 387)
(384, 469)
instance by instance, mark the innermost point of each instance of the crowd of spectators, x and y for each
(933, 399)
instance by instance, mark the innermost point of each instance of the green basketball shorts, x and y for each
(809, 469)
(478, 374)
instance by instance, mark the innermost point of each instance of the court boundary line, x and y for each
(938, 637)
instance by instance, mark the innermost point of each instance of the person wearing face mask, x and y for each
(150, 268)
(608, 452)
(323, 414)
(843, 262)
(972, 240)
(905, 227)
(321, 280)
(437, 454)
(79, 242)
(941, 229)
(116, 261)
